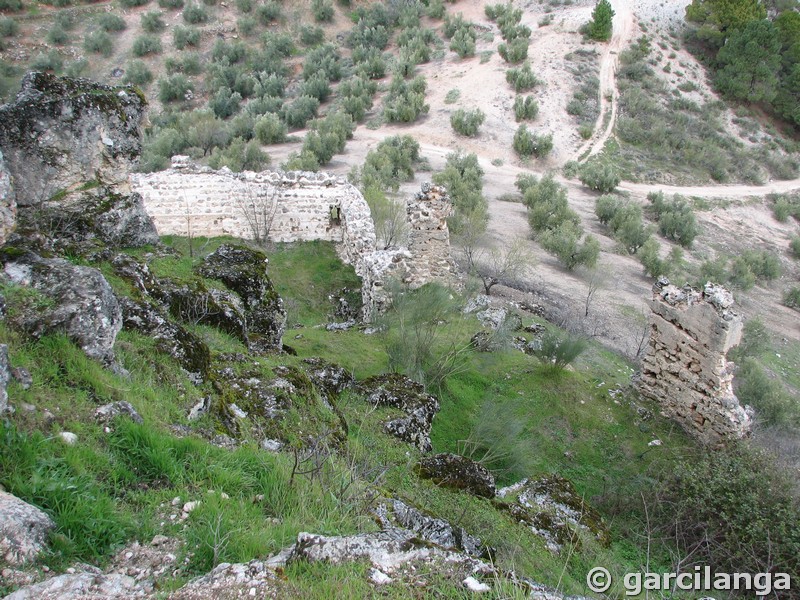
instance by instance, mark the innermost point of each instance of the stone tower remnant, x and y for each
(685, 367)
(426, 259)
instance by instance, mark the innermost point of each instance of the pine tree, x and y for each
(602, 21)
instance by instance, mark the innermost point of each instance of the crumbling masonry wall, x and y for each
(685, 366)
(426, 259)
(192, 200)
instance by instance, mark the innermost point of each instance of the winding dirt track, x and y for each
(623, 34)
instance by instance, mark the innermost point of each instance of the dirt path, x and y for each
(715, 191)
(624, 31)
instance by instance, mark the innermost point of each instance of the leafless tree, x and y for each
(389, 217)
(639, 334)
(258, 210)
(594, 282)
(497, 265)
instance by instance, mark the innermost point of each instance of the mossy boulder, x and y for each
(60, 133)
(554, 510)
(64, 298)
(190, 351)
(400, 392)
(283, 406)
(188, 301)
(86, 222)
(457, 472)
(244, 271)
(69, 145)
(330, 379)
(396, 513)
(8, 202)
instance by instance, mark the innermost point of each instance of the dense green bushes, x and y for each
(324, 60)
(463, 178)
(791, 298)
(526, 108)
(785, 206)
(152, 22)
(194, 14)
(8, 27)
(185, 36)
(355, 96)
(239, 155)
(327, 137)
(624, 219)
(462, 42)
(564, 242)
(754, 54)
(467, 122)
(715, 510)
(405, 101)
(322, 10)
(526, 143)
(675, 218)
(774, 406)
(522, 78)
(744, 270)
(300, 111)
(173, 88)
(415, 44)
(555, 225)
(599, 175)
(137, 73)
(146, 44)
(655, 266)
(99, 42)
(601, 25)
(389, 164)
(270, 129)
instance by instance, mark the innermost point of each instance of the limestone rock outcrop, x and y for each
(458, 472)
(61, 132)
(76, 301)
(5, 377)
(81, 586)
(108, 412)
(23, 530)
(8, 202)
(553, 509)
(69, 145)
(251, 312)
(396, 513)
(329, 378)
(190, 351)
(244, 271)
(400, 392)
(685, 367)
(287, 408)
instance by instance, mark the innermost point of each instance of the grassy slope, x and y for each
(112, 487)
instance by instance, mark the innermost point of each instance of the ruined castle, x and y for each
(685, 367)
(192, 200)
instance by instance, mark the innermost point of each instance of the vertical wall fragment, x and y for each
(685, 367)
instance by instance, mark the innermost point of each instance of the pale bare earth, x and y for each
(617, 312)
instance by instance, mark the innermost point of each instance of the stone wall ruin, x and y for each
(426, 259)
(685, 367)
(192, 200)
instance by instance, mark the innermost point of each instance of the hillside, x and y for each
(196, 416)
